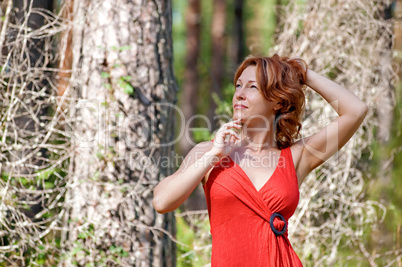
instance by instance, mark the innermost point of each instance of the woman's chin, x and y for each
(235, 117)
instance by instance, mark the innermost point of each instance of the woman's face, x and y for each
(249, 104)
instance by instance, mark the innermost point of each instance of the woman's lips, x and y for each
(239, 106)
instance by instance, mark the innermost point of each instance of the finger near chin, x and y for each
(232, 139)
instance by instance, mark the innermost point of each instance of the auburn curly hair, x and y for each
(281, 79)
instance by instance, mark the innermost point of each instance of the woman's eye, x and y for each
(238, 85)
(253, 86)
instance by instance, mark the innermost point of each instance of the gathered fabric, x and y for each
(240, 215)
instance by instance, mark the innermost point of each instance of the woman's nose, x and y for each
(240, 94)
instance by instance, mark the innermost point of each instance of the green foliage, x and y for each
(260, 21)
(43, 251)
(202, 135)
(105, 75)
(196, 251)
(49, 177)
(79, 251)
(179, 38)
(124, 83)
(224, 106)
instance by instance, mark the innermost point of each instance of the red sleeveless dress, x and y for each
(243, 220)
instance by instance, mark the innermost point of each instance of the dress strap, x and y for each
(289, 162)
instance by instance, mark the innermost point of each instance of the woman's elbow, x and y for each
(358, 110)
(362, 110)
(160, 205)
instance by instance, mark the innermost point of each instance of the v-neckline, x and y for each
(248, 178)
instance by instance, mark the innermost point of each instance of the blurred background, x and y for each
(102, 99)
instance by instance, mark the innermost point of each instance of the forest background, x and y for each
(91, 91)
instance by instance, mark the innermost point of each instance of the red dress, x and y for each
(240, 215)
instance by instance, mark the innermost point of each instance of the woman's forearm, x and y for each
(172, 191)
(342, 100)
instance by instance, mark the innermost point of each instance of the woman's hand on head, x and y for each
(300, 66)
(225, 139)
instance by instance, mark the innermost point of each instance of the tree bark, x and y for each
(190, 84)
(238, 42)
(218, 52)
(66, 53)
(123, 83)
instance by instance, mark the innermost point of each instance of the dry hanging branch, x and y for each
(34, 148)
(63, 87)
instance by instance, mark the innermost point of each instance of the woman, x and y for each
(252, 178)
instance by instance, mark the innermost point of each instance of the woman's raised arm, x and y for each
(314, 150)
(172, 191)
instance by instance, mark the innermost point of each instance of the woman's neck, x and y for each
(258, 138)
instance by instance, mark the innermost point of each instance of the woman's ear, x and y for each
(278, 106)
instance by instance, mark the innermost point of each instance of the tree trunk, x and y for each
(218, 52)
(66, 53)
(122, 79)
(190, 91)
(385, 104)
(238, 40)
(190, 84)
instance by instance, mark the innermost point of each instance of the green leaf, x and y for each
(49, 185)
(23, 181)
(82, 235)
(125, 47)
(126, 78)
(76, 249)
(46, 174)
(127, 88)
(96, 176)
(107, 86)
(105, 74)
